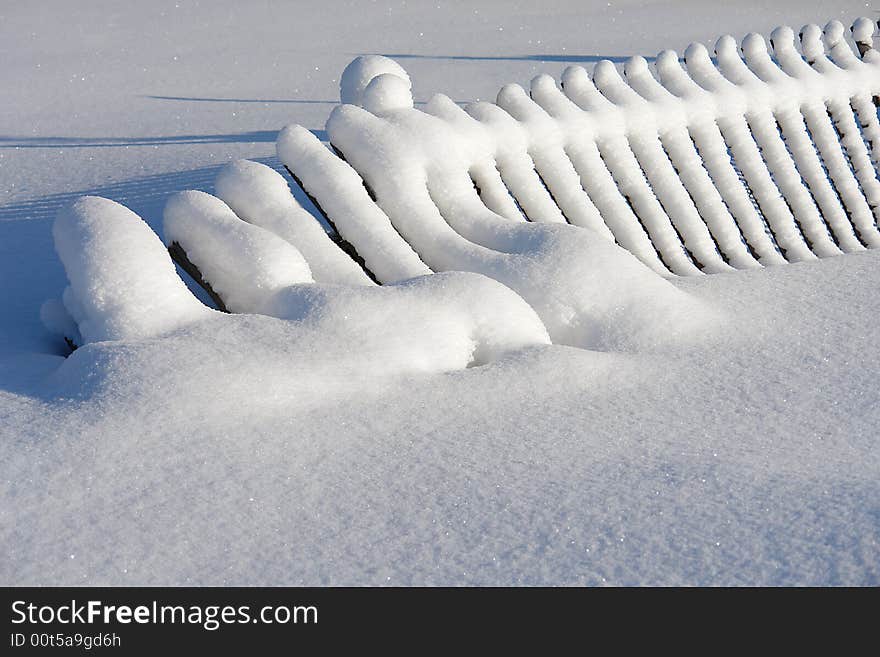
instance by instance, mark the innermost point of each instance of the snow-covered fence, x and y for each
(764, 154)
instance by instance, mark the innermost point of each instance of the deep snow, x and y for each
(252, 450)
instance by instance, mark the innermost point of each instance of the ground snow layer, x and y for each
(254, 451)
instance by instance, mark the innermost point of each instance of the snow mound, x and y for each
(457, 307)
(254, 270)
(124, 289)
(122, 283)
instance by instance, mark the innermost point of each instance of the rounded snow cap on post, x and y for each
(360, 72)
(387, 92)
(782, 38)
(123, 285)
(670, 71)
(833, 32)
(863, 30)
(252, 189)
(754, 45)
(635, 66)
(811, 42)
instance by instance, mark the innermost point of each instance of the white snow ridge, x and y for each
(122, 283)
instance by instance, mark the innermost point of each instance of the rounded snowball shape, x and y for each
(361, 71)
(387, 92)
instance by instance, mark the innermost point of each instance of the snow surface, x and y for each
(248, 449)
